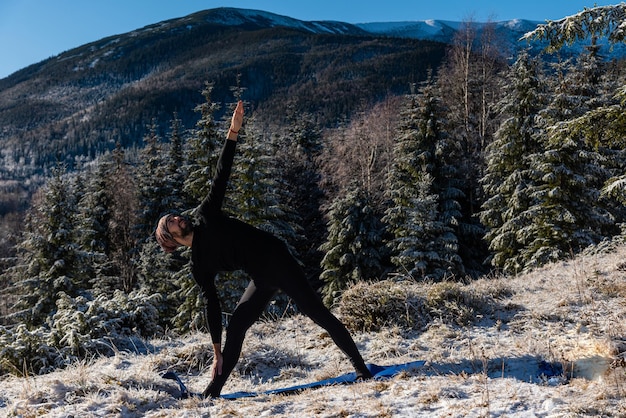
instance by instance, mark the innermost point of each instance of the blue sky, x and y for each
(33, 30)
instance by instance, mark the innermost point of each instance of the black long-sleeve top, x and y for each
(221, 243)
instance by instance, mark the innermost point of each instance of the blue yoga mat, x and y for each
(379, 373)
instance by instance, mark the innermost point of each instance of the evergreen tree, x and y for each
(176, 170)
(600, 22)
(151, 181)
(162, 175)
(203, 151)
(603, 127)
(430, 250)
(566, 212)
(50, 258)
(202, 155)
(93, 221)
(298, 177)
(421, 155)
(508, 181)
(354, 250)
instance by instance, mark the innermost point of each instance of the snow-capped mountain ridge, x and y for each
(230, 16)
(431, 29)
(443, 30)
(510, 32)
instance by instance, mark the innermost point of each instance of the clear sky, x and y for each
(33, 30)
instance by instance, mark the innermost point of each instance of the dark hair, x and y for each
(164, 236)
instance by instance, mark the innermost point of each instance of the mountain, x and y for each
(444, 31)
(87, 98)
(80, 103)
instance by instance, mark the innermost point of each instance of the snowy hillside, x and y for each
(569, 316)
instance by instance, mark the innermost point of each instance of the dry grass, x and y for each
(482, 341)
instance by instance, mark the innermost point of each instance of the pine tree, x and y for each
(203, 152)
(430, 250)
(600, 22)
(298, 176)
(354, 250)
(151, 180)
(93, 221)
(421, 155)
(50, 258)
(603, 127)
(507, 180)
(202, 155)
(566, 212)
(162, 175)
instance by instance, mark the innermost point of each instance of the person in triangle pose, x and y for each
(222, 243)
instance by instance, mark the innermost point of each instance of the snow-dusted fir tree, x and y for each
(604, 126)
(354, 249)
(151, 175)
(568, 172)
(49, 259)
(298, 177)
(429, 252)
(507, 181)
(93, 223)
(202, 152)
(176, 170)
(422, 170)
(161, 177)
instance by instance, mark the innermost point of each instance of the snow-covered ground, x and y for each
(571, 315)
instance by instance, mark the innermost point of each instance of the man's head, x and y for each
(171, 231)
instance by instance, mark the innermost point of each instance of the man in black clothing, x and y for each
(221, 243)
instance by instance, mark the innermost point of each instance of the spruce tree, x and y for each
(93, 222)
(568, 172)
(508, 181)
(162, 175)
(122, 228)
(298, 176)
(202, 151)
(422, 154)
(50, 259)
(151, 182)
(354, 250)
(430, 251)
(603, 127)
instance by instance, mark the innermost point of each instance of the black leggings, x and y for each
(253, 303)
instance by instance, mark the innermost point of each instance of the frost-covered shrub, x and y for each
(23, 351)
(372, 306)
(453, 303)
(80, 327)
(410, 305)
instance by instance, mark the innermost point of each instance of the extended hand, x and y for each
(237, 120)
(217, 364)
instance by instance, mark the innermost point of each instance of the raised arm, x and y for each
(235, 122)
(213, 201)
